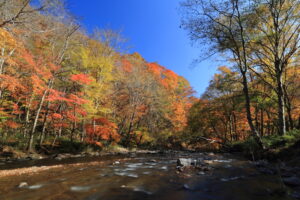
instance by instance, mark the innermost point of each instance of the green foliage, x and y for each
(277, 141)
(273, 143)
(115, 148)
(248, 147)
(17, 141)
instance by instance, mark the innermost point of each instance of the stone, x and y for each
(187, 162)
(23, 185)
(292, 181)
(201, 173)
(187, 187)
(184, 162)
(116, 162)
(265, 170)
(208, 161)
(180, 169)
(63, 156)
(295, 195)
(260, 163)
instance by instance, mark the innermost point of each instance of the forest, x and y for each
(254, 96)
(83, 116)
(59, 83)
(63, 85)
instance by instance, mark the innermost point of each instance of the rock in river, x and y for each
(23, 185)
(292, 181)
(187, 162)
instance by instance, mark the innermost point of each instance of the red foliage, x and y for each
(12, 124)
(103, 129)
(56, 116)
(126, 65)
(155, 69)
(81, 79)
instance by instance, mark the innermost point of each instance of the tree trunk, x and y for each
(262, 122)
(30, 142)
(288, 110)
(130, 127)
(281, 105)
(27, 116)
(254, 132)
(44, 124)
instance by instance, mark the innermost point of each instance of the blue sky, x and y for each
(152, 28)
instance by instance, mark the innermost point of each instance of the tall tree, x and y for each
(223, 25)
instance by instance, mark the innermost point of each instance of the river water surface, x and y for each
(147, 177)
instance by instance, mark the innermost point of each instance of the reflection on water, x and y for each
(147, 177)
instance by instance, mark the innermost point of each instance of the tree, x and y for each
(15, 12)
(224, 26)
(276, 41)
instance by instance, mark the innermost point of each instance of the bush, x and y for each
(277, 141)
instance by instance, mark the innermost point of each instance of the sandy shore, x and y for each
(34, 169)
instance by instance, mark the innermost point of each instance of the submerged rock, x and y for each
(187, 187)
(141, 189)
(33, 187)
(201, 173)
(80, 188)
(204, 168)
(295, 195)
(292, 181)
(231, 178)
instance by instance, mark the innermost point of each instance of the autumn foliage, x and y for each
(58, 83)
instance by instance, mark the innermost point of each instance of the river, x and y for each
(151, 176)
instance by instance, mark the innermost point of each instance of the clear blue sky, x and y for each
(152, 27)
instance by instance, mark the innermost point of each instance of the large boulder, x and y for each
(187, 162)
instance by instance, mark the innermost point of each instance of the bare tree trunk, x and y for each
(83, 133)
(42, 136)
(255, 133)
(27, 116)
(30, 142)
(130, 127)
(261, 122)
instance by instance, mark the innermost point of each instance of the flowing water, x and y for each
(146, 177)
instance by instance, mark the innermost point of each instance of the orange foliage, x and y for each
(102, 129)
(12, 124)
(127, 66)
(81, 79)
